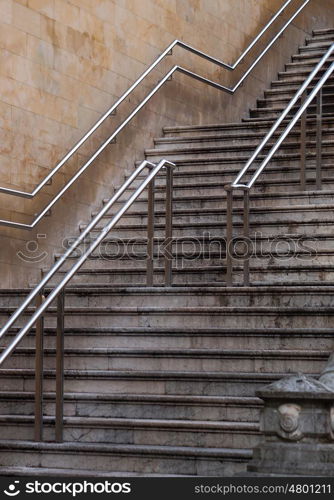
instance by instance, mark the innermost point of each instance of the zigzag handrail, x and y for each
(112, 109)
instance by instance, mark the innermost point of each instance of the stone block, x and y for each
(26, 19)
(67, 13)
(13, 39)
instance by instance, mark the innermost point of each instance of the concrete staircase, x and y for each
(162, 381)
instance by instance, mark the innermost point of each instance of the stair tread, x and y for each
(182, 352)
(84, 473)
(124, 448)
(136, 422)
(149, 398)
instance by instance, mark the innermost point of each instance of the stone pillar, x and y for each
(297, 423)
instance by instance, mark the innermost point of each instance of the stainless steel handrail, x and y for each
(155, 169)
(294, 100)
(306, 100)
(113, 108)
(57, 293)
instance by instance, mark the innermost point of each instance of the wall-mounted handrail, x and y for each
(58, 291)
(306, 94)
(114, 107)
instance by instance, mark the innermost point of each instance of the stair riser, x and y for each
(227, 386)
(229, 319)
(205, 299)
(299, 75)
(252, 128)
(280, 101)
(218, 229)
(318, 39)
(193, 260)
(229, 154)
(307, 65)
(154, 437)
(227, 412)
(286, 92)
(270, 113)
(225, 176)
(267, 364)
(260, 187)
(295, 198)
(278, 217)
(105, 462)
(204, 248)
(309, 56)
(182, 277)
(259, 341)
(222, 141)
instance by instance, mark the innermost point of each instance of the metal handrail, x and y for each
(154, 171)
(57, 292)
(113, 108)
(294, 100)
(306, 100)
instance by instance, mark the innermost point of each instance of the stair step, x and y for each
(228, 127)
(223, 338)
(178, 317)
(130, 431)
(171, 359)
(121, 406)
(212, 150)
(323, 31)
(123, 458)
(145, 382)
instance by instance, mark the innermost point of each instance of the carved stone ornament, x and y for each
(289, 422)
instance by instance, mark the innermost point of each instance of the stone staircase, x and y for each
(162, 381)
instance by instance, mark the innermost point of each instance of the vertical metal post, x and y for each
(303, 147)
(150, 234)
(39, 371)
(319, 140)
(229, 234)
(168, 246)
(246, 237)
(60, 367)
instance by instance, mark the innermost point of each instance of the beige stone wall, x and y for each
(64, 62)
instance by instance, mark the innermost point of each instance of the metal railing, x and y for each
(43, 301)
(306, 94)
(43, 297)
(112, 110)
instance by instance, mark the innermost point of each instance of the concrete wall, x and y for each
(64, 62)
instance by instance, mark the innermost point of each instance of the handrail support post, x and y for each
(150, 233)
(319, 140)
(168, 245)
(229, 234)
(39, 371)
(60, 367)
(246, 236)
(303, 137)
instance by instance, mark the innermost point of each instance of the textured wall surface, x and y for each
(64, 62)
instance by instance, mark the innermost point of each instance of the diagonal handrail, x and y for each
(154, 170)
(306, 100)
(294, 100)
(112, 137)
